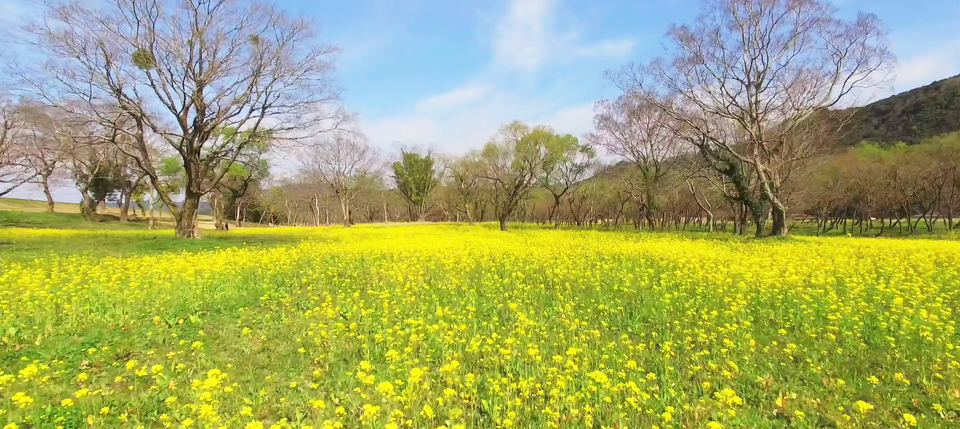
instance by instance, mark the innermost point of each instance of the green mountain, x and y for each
(909, 117)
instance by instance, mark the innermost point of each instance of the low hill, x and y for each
(909, 117)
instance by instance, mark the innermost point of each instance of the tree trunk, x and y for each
(88, 208)
(186, 217)
(503, 222)
(45, 183)
(345, 208)
(217, 215)
(125, 198)
(150, 219)
(553, 211)
(759, 222)
(780, 220)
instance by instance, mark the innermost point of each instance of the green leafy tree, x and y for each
(566, 163)
(97, 177)
(512, 162)
(416, 177)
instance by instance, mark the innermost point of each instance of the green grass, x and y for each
(21, 219)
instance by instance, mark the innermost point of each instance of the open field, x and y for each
(461, 326)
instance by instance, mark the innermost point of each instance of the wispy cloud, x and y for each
(522, 40)
(923, 67)
(533, 38)
(533, 34)
(457, 97)
(459, 128)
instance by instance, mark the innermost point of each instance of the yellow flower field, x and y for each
(455, 326)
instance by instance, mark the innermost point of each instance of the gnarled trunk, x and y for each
(779, 213)
(503, 222)
(186, 217)
(88, 208)
(759, 222)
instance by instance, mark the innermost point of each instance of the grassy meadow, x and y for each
(458, 326)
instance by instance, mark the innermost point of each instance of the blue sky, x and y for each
(446, 74)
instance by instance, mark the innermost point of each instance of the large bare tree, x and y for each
(175, 73)
(343, 161)
(761, 70)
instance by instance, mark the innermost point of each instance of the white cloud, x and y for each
(458, 130)
(920, 62)
(576, 119)
(457, 97)
(929, 65)
(12, 10)
(530, 36)
(522, 40)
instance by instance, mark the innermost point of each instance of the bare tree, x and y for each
(762, 69)
(13, 168)
(341, 160)
(176, 73)
(641, 133)
(465, 179)
(46, 143)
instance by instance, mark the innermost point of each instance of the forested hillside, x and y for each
(908, 117)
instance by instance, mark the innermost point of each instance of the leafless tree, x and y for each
(46, 143)
(13, 168)
(342, 160)
(642, 133)
(177, 73)
(468, 189)
(765, 69)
